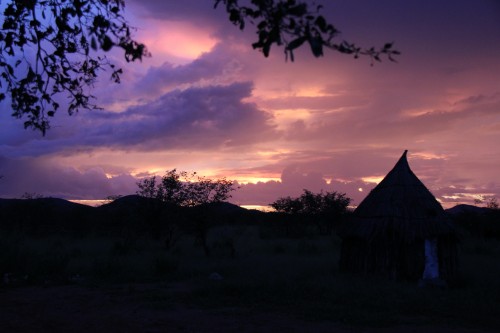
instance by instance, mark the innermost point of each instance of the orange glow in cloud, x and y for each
(430, 156)
(270, 156)
(241, 178)
(373, 179)
(206, 164)
(254, 179)
(263, 92)
(180, 40)
(448, 104)
(417, 112)
(312, 92)
(285, 117)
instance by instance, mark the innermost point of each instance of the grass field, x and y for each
(298, 277)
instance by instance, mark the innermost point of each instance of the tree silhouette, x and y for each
(180, 188)
(185, 189)
(492, 203)
(313, 203)
(49, 48)
(45, 51)
(291, 23)
(325, 209)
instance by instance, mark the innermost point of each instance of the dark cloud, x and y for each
(195, 118)
(36, 175)
(197, 12)
(218, 63)
(431, 31)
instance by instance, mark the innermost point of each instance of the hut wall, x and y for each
(448, 257)
(396, 260)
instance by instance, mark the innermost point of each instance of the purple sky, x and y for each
(207, 102)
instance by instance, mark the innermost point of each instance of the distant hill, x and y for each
(56, 205)
(479, 222)
(463, 208)
(48, 202)
(133, 214)
(137, 200)
(132, 203)
(128, 202)
(225, 208)
(47, 215)
(44, 215)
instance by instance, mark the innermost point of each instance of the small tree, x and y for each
(183, 189)
(489, 202)
(31, 196)
(492, 203)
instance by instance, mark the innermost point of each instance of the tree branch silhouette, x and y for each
(291, 24)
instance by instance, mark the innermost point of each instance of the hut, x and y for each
(400, 231)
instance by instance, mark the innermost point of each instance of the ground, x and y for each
(138, 308)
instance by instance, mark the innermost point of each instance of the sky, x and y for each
(207, 102)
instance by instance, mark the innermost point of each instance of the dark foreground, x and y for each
(118, 268)
(136, 308)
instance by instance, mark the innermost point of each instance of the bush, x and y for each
(323, 210)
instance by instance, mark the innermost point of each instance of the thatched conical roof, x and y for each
(400, 206)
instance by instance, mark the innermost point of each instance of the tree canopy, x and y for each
(323, 209)
(50, 48)
(185, 189)
(323, 203)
